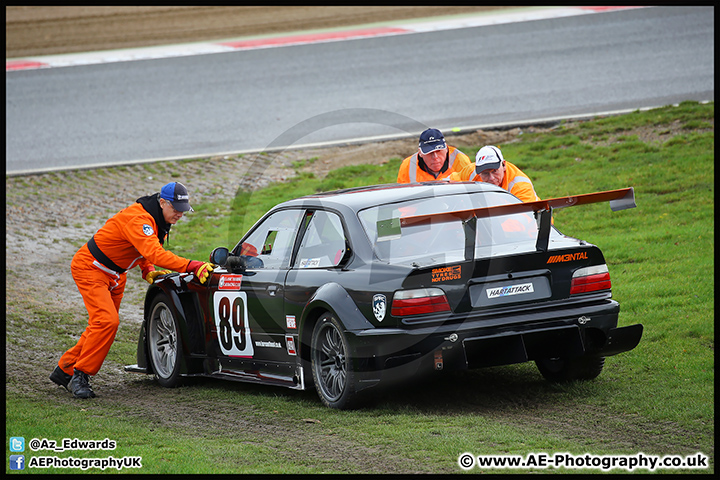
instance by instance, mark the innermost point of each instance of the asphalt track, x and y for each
(353, 85)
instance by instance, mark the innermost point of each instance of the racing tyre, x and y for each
(566, 370)
(163, 342)
(331, 364)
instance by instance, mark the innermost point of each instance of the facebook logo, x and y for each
(17, 444)
(17, 462)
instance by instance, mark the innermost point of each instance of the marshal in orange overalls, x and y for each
(411, 172)
(514, 181)
(128, 239)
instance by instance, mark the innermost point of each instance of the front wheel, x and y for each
(331, 364)
(163, 340)
(566, 370)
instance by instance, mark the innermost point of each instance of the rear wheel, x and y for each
(331, 364)
(569, 369)
(163, 339)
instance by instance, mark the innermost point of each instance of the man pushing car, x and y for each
(132, 237)
(491, 167)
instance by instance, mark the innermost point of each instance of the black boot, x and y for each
(80, 385)
(61, 378)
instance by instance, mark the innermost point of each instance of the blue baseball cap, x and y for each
(430, 140)
(177, 194)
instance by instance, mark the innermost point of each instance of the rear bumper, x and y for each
(394, 353)
(555, 342)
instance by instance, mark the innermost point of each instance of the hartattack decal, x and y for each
(510, 290)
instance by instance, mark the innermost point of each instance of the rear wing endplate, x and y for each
(621, 199)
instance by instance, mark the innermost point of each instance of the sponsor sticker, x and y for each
(290, 342)
(290, 321)
(379, 306)
(267, 344)
(438, 360)
(509, 290)
(445, 274)
(570, 257)
(230, 282)
(309, 262)
(147, 229)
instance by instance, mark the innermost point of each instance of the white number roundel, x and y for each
(231, 321)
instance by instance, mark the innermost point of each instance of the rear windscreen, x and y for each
(442, 241)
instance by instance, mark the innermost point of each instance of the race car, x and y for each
(353, 291)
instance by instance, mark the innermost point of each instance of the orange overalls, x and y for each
(410, 171)
(514, 181)
(127, 239)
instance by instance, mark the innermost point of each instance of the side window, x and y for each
(270, 244)
(324, 244)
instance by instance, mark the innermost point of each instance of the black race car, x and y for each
(357, 289)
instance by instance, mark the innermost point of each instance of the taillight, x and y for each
(419, 301)
(590, 279)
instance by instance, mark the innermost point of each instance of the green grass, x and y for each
(163, 450)
(658, 398)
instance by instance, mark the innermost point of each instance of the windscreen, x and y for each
(445, 241)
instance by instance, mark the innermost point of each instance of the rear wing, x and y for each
(621, 199)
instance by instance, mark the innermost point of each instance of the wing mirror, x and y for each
(221, 256)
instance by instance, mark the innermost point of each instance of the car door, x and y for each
(248, 308)
(323, 247)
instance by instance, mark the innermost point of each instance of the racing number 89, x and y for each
(232, 328)
(231, 323)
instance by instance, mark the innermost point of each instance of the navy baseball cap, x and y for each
(177, 194)
(430, 140)
(488, 158)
